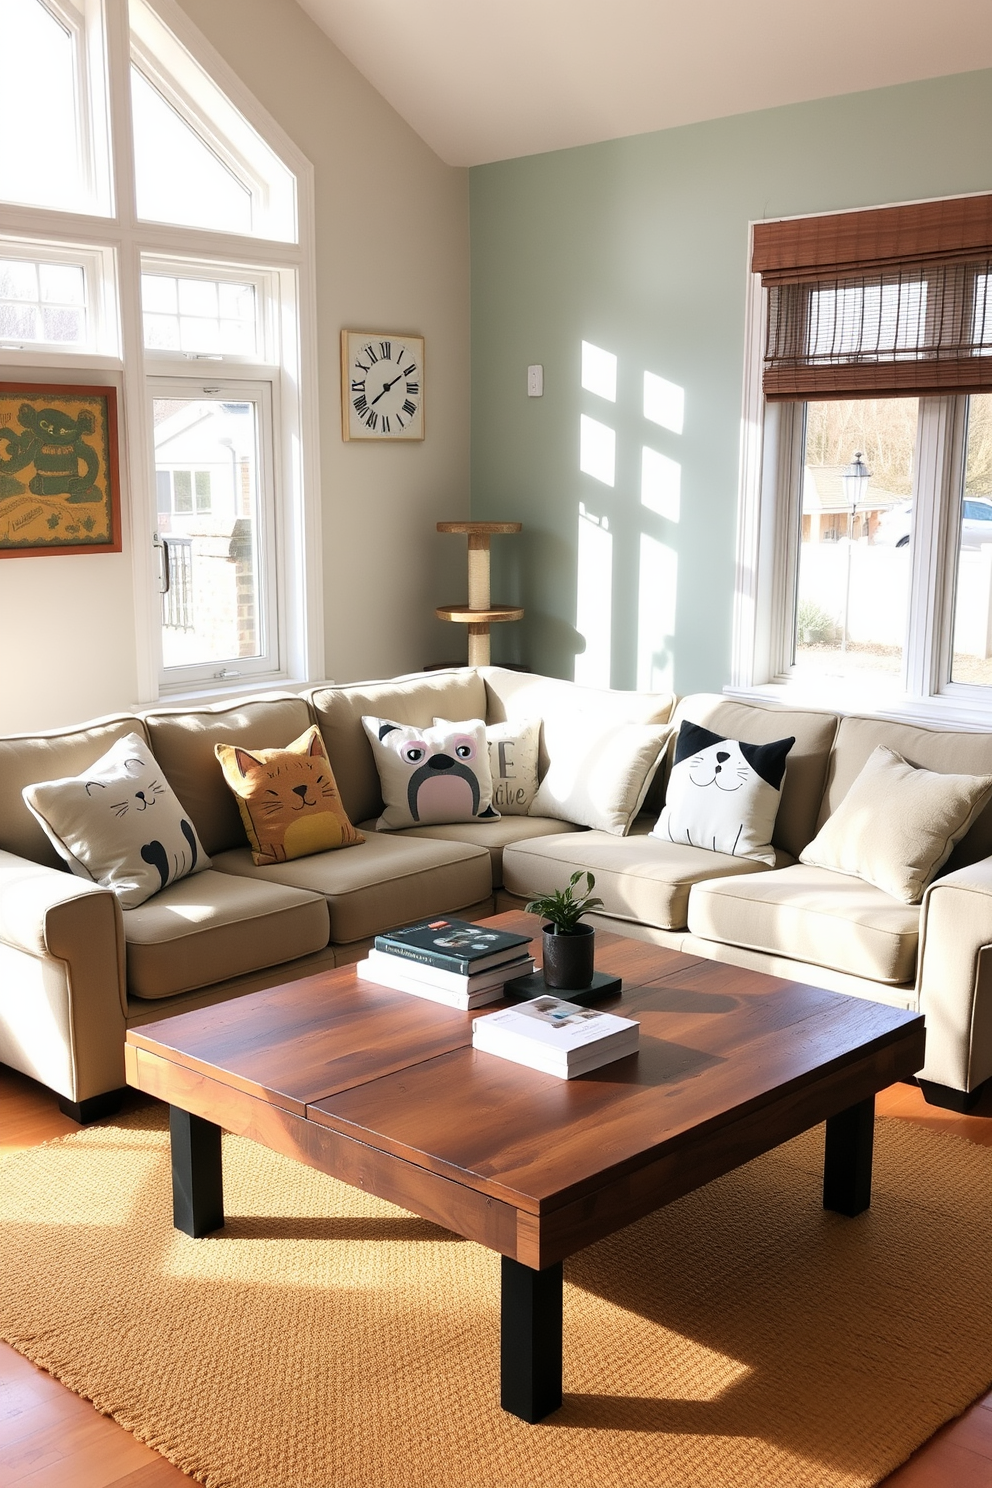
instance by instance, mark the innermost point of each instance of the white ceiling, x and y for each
(484, 80)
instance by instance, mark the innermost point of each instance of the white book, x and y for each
(451, 981)
(532, 1059)
(400, 982)
(559, 1032)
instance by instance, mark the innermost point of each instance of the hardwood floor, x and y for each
(50, 1438)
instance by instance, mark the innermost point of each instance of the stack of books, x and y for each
(450, 961)
(557, 1037)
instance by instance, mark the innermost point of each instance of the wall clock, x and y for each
(382, 385)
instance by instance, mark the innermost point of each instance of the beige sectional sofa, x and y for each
(76, 970)
(806, 923)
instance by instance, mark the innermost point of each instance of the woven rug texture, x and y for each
(325, 1339)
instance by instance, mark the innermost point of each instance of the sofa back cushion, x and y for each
(26, 759)
(417, 700)
(761, 723)
(183, 743)
(948, 751)
(523, 695)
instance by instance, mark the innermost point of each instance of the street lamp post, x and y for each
(855, 478)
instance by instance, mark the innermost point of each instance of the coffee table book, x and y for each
(426, 981)
(453, 945)
(556, 1037)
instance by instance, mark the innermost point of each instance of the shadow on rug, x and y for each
(323, 1337)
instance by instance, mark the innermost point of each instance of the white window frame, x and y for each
(768, 526)
(270, 598)
(116, 246)
(99, 277)
(268, 296)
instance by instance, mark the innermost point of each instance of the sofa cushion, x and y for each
(435, 774)
(898, 824)
(494, 835)
(183, 743)
(598, 777)
(812, 915)
(390, 879)
(417, 699)
(27, 758)
(637, 877)
(948, 751)
(724, 794)
(288, 799)
(213, 926)
(522, 695)
(119, 823)
(760, 723)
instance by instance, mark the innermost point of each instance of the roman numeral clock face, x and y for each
(382, 386)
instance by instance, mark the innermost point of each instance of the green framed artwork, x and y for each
(59, 482)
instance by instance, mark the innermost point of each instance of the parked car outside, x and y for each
(976, 524)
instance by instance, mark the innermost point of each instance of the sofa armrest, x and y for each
(63, 998)
(954, 977)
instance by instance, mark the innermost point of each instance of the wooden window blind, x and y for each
(879, 303)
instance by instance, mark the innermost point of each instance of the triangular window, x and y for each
(198, 162)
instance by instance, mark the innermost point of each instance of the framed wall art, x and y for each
(59, 481)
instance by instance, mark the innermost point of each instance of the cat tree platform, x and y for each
(480, 613)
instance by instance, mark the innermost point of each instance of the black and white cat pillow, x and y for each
(724, 794)
(120, 824)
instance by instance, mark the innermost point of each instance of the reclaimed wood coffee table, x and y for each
(384, 1091)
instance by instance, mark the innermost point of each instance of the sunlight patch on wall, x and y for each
(597, 450)
(664, 402)
(594, 600)
(599, 371)
(661, 482)
(656, 593)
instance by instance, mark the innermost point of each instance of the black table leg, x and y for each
(847, 1160)
(530, 1340)
(197, 1177)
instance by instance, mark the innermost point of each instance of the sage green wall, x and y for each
(640, 246)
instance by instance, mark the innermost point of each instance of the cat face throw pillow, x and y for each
(120, 823)
(724, 794)
(432, 775)
(288, 799)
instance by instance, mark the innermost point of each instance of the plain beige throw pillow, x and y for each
(897, 824)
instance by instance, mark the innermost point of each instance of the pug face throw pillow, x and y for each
(724, 794)
(432, 775)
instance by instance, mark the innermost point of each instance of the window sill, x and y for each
(945, 711)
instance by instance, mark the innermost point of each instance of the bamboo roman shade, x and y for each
(879, 303)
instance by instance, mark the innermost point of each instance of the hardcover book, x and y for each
(560, 1038)
(451, 981)
(455, 945)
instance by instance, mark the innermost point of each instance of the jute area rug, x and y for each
(741, 1338)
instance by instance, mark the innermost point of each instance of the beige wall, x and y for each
(392, 254)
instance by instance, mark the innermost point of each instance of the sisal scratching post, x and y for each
(480, 613)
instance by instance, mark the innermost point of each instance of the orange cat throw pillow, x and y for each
(288, 799)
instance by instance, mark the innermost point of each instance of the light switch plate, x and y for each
(535, 381)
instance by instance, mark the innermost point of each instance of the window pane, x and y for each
(972, 660)
(177, 177)
(42, 302)
(38, 120)
(198, 315)
(207, 449)
(854, 566)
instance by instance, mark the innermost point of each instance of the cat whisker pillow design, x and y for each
(288, 799)
(120, 824)
(724, 794)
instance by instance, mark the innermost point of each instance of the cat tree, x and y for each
(480, 613)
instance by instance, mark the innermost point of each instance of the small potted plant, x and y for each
(568, 945)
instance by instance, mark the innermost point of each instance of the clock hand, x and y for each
(385, 389)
